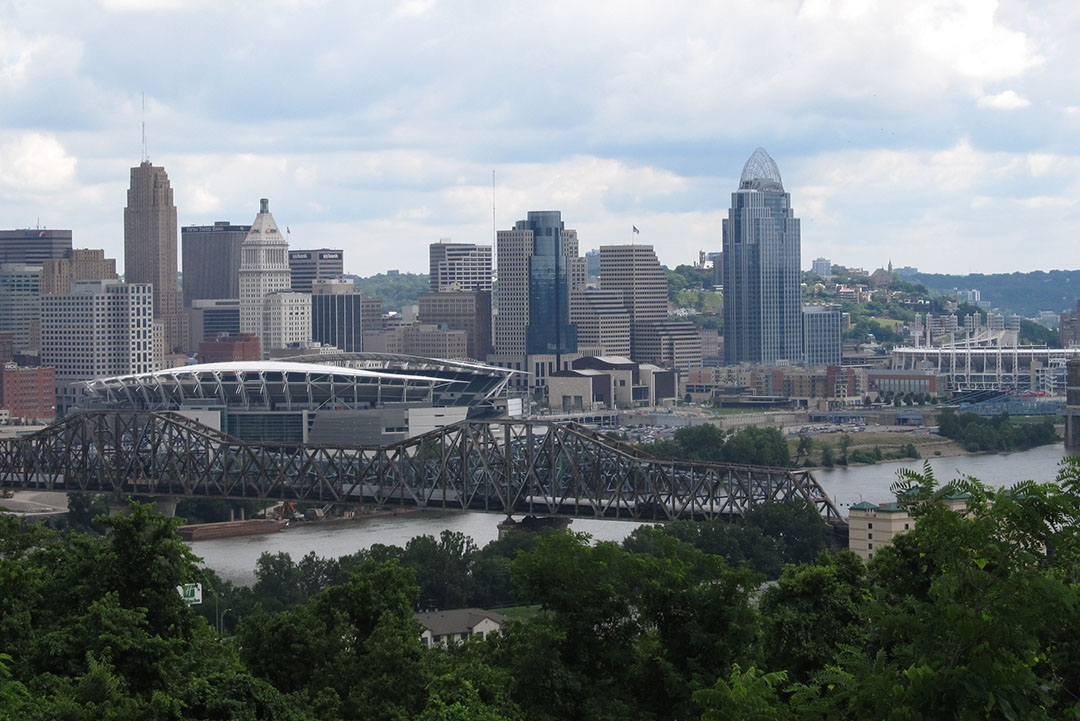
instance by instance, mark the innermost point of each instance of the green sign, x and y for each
(191, 593)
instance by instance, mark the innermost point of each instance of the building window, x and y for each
(870, 547)
(869, 525)
(869, 536)
(907, 526)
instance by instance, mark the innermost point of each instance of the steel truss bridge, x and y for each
(504, 466)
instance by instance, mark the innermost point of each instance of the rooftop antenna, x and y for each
(145, 156)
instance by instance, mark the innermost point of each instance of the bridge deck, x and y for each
(505, 465)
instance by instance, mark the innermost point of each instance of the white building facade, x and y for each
(264, 270)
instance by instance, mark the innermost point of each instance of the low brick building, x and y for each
(28, 394)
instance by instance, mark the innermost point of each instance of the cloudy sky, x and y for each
(942, 135)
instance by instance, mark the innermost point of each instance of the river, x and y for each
(234, 558)
(848, 486)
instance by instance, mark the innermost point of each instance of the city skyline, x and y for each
(931, 135)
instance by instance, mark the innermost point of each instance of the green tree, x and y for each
(827, 459)
(844, 443)
(813, 610)
(805, 447)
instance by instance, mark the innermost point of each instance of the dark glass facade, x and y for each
(550, 330)
(762, 280)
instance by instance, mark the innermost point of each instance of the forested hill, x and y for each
(396, 290)
(1022, 293)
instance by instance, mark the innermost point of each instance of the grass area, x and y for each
(518, 613)
(886, 322)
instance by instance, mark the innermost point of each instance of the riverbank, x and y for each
(890, 441)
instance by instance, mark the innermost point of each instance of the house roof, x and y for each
(458, 620)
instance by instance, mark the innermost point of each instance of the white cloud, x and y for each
(382, 135)
(35, 162)
(414, 8)
(1006, 100)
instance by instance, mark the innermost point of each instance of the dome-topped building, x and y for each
(762, 280)
(761, 173)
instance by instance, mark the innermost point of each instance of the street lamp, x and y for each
(220, 619)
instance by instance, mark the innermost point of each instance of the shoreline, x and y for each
(956, 451)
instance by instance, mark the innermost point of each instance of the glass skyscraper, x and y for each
(550, 329)
(762, 281)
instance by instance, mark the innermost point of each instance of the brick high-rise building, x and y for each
(459, 267)
(150, 248)
(59, 274)
(211, 261)
(469, 311)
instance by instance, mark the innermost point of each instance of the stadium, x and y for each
(364, 399)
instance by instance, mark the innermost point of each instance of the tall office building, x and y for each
(538, 268)
(308, 266)
(20, 304)
(33, 246)
(459, 267)
(469, 311)
(288, 320)
(210, 257)
(340, 314)
(762, 278)
(100, 329)
(603, 325)
(634, 272)
(59, 274)
(264, 269)
(823, 343)
(150, 248)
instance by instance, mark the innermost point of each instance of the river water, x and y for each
(848, 486)
(234, 558)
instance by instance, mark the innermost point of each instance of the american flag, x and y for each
(636, 230)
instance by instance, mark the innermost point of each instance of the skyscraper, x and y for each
(459, 267)
(308, 266)
(33, 245)
(823, 335)
(340, 314)
(101, 328)
(264, 270)
(211, 261)
(150, 248)
(58, 274)
(762, 310)
(20, 304)
(538, 267)
(634, 272)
